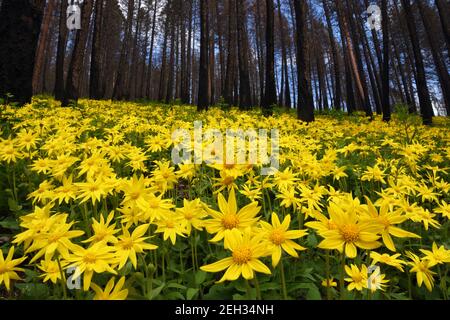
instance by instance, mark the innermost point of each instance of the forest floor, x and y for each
(354, 209)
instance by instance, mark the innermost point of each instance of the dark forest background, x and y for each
(314, 55)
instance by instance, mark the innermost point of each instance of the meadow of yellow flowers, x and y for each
(94, 208)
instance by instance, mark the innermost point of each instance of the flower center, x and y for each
(277, 237)
(242, 255)
(127, 244)
(228, 180)
(350, 233)
(90, 258)
(135, 195)
(170, 224)
(230, 221)
(3, 269)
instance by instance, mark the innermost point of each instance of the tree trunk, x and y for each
(20, 25)
(94, 83)
(61, 52)
(231, 48)
(42, 45)
(150, 57)
(442, 70)
(305, 109)
(444, 14)
(74, 74)
(385, 105)
(119, 85)
(203, 79)
(270, 93)
(245, 101)
(422, 87)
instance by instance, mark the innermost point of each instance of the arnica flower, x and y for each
(392, 261)
(98, 258)
(171, 226)
(422, 269)
(357, 277)
(192, 214)
(329, 283)
(350, 233)
(51, 270)
(103, 230)
(229, 218)
(388, 219)
(246, 251)
(129, 245)
(438, 255)
(9, 269)
(278, 237)
(111, 292)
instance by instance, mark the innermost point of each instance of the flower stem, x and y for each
(63, 278)
(258, 290)
(327, 270)
(283, 281)
(341, 280)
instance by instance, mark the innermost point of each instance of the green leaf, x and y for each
(200, 277)
(13, 205)
(9, 223)
(155, 292)
(191, 293)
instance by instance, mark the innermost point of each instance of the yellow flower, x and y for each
(170, 225)
(285, 179)
(41, 165)
(97, 258)
(387, 259)
(66, 192)
(444, 209)
(246, 252)
(329, 283)
(388, 219)
(437, 255)
(128, 245)
(278, 237)
(111, 292)
(376, 280)
(252, 195)
(51, 270)
(288, 198)
(192, 213)
(427, 193)
(56, 239)
(350, 232)
(357, 277)
(136, 193)
(374, 174)
(27, 139)
(103, 230)
(229, 218)
(8, 268)
(422, 270)
(93, 190)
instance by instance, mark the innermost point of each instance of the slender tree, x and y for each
(204, 83)
(245, 101)
(74, 74)
(439, 62)
(385, 70)
(270, 92)
(44, 38)
(61, 52)
(96, 54)
(422, 87)
(305, 109)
